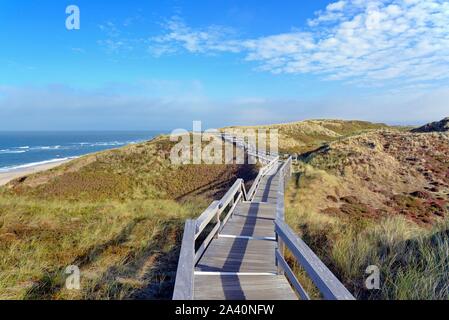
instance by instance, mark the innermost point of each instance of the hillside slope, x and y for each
(385, 173)
(437, 126)
(117, 215)
(305, 136)
(378, 198)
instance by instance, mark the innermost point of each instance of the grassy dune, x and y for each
(306, 136)
(118, 215)
(363, 194)
(378, 198)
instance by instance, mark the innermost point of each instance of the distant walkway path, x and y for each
(235, 249)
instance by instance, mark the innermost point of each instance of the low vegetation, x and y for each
(118, 215)
(378, 198)
(305, 136)
(363, 194)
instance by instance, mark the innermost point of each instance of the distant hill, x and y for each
(437, 126)
(138, 171)
(305, 136)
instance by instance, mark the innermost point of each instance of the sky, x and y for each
(159, 65)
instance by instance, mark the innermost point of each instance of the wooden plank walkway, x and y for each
(235, 249)
(240, 263)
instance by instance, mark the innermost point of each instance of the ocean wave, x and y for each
(33, 164)
(28, 148)
(103, 144)
(47, 148)
(9, 151)
(63, 151)
(107, 144)
(70, 146)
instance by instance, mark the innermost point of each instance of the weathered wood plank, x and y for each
(238, 255)
(266, 194)
(265, 171)
(248, 287)
(273, 183)
(184, 284)
(249, 227)
(255, 209)
(265, 199)
(206, 217)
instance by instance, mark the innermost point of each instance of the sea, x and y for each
(25, 149)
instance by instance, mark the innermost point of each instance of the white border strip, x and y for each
(247, 237)
(215, 273)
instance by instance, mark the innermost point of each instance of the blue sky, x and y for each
(163, 64)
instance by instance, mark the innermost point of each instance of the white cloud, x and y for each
(369, 42)
(179, 35)
(336, 6)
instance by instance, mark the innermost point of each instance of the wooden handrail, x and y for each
(206, 217)
(227, 198)
(184, 274)
(263, 171)
(252, 190)
(326, 282)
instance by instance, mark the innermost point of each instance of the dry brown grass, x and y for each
(117, 214)
(379, 198)
(306, 136)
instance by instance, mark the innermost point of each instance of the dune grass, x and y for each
(116, 245)
(413, 259)
(305, 136)
(118, 215)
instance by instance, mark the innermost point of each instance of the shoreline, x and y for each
(8, 176)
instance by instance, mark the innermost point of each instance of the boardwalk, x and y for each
(235, 249)
(240, 263)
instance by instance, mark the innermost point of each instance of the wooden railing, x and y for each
(326, 282)
(191, 251)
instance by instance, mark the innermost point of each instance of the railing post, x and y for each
(245, 195)
(290, 167)
(218, 221)
(281, 248)
(280, 208)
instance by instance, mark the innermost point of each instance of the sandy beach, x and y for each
(5, 177)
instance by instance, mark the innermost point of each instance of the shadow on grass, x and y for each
(218, 189)
(153, 269)
(53, 281)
